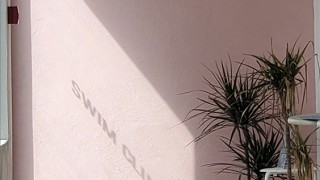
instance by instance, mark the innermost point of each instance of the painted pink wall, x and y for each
(130, 59)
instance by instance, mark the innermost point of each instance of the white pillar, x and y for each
(5, 100)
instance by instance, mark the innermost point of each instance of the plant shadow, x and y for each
(168, 40)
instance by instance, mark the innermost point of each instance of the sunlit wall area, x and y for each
(97, 83)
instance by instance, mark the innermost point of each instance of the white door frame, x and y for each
(3, 73)
(5, 97)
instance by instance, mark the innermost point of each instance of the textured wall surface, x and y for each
(95, 82)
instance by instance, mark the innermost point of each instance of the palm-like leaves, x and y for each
(245, 104)
(283, 77)
(301, 150)
(239, 102)
(236, 101)
(262, 153)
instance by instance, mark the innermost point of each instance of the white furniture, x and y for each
(300, 120)
(274, 171)
(305, 120)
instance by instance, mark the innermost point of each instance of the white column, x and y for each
(5, 102)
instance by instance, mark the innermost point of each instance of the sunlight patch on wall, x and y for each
(83, 57)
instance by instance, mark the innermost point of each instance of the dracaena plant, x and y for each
(282, 77)
(300, 150)
(238, 102)
(263, 152)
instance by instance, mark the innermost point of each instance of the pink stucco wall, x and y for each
(95, 82)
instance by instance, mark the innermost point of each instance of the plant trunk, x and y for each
(246, 135)
(285, 115)
(247, 154)
(287, 139)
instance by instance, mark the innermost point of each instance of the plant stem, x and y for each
(287, 139)
(246, 135)
(285, 115)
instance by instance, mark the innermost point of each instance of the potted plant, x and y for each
(282, 77)
(253, 105)
(239, 102)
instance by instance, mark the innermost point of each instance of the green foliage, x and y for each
(250, 105)
(236, 101)
(301, 158)
(263, 152)
(239, 102)
(283, 77)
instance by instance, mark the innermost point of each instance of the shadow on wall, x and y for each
(103, 123)
(23, 160)
(167, 40)
(163, 39)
